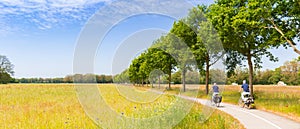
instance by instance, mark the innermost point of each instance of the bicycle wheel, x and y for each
(240, 103)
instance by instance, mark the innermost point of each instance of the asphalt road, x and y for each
(254, 119)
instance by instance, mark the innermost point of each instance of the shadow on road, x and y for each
(221, 107)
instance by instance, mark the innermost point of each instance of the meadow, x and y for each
(282, 100)
(48, 106)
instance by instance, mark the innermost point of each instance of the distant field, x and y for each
(56, 106)
(283, 100)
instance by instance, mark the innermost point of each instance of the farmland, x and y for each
(57, 106)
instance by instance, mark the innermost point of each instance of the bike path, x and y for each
(253, 119)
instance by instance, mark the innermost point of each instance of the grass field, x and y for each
(282, 100)
(56, 106)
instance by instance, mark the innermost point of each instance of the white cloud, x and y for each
(120, 10)
(51, 3)
(46, 13)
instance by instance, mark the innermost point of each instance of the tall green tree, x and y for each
(160, 60)
(240, 28)
(162, 56)
(212, 49)
(6, 69)
(6, 66)
(155, 58)
(206, 45)
(181, 37)
(137, 76)
(5, 78)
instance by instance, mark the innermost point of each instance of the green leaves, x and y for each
(6, 70)
(152, 59)
(6, 66)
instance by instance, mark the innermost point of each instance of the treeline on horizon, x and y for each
(288, 73)
(76, 78)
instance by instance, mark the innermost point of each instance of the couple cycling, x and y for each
(245, 88)
(244, 95)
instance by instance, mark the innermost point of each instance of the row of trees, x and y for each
(78, 78)
(6, 73)
(246, 30)
(289, 73)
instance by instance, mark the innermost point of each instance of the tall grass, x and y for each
(56, 106)
(41, 106)
(282, 100)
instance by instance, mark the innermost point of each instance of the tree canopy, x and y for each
(240, 25)
(6, 69)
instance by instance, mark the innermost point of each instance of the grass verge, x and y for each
(281, 100)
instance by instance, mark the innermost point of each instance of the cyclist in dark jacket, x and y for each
(245, 88)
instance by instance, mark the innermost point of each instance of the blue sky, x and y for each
(40, 37)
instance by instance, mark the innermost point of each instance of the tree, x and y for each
(240, 28)
(218, 76)
(158, 62)
(177, 77)
(212, 50)
(262, 77)
(181, 37)
(238, 75)
(283, 17)
(154, 58)
(290, 71)
(5, 78)
(162, 56)
(6, 69)
(134, 71)
(6, 66)
(68, 79)
(276, 76)
(193, 77)
(122, 77)
(206, 45)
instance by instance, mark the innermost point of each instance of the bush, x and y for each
(5, 78)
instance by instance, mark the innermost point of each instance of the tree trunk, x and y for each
(152, 84)
(249, 56)
(159, 82)
(207, 75)
(170, 74)
(147, 82)
(183, 79)
(140, 82)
